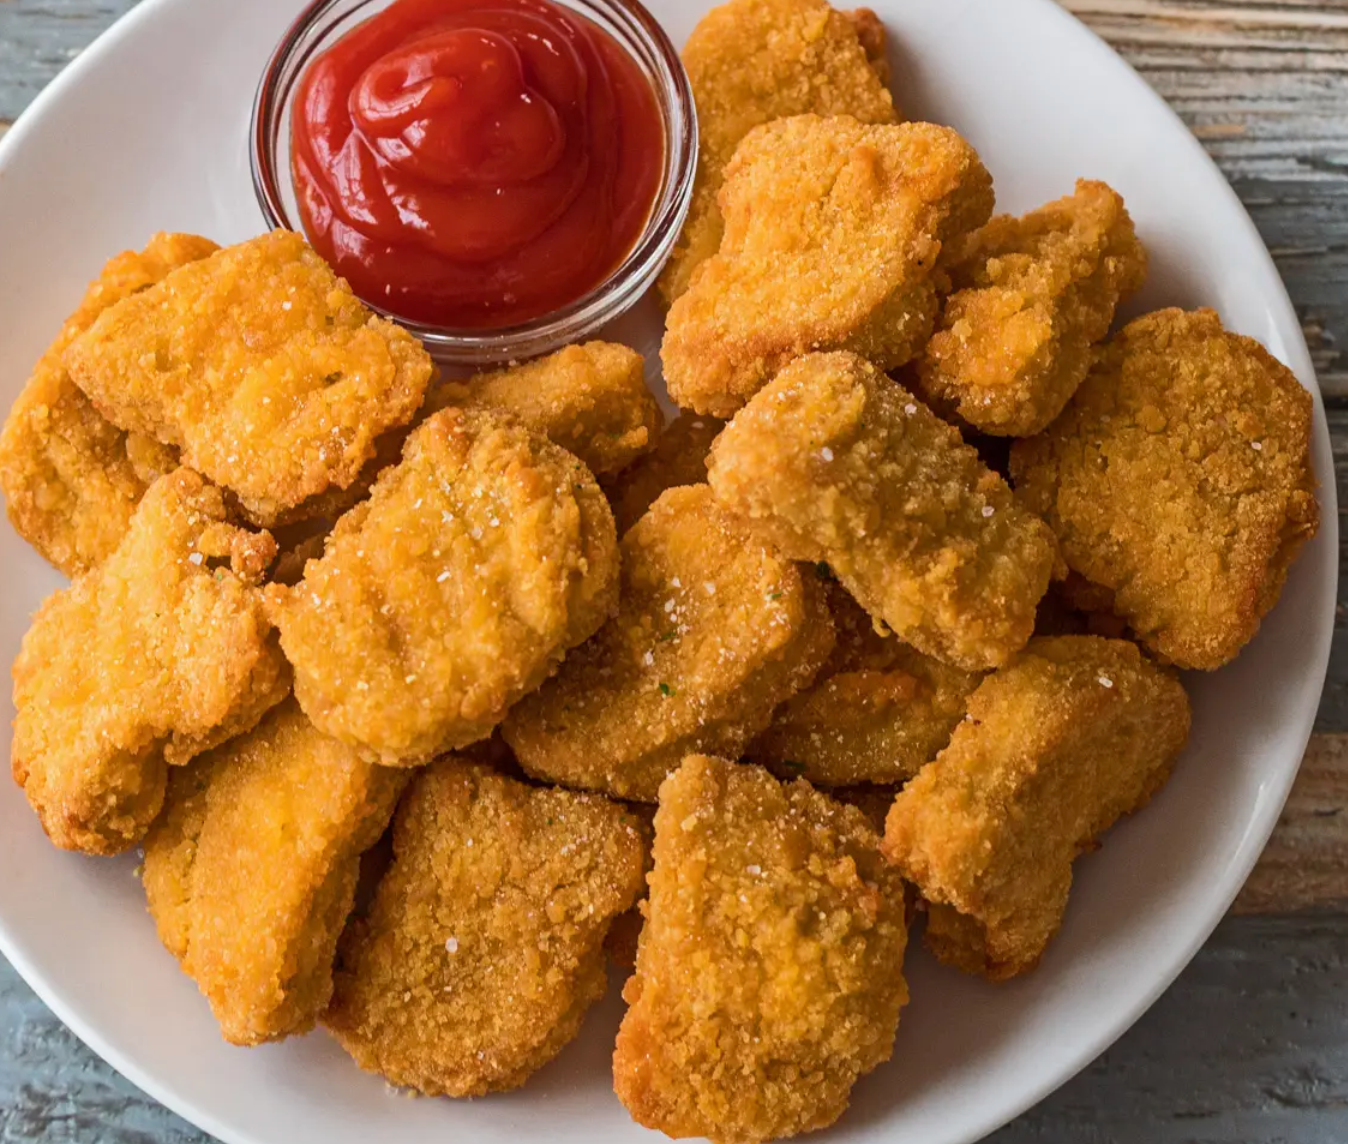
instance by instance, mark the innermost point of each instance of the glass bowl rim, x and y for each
(605, 302)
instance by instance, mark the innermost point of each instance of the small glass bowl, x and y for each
(323, 22)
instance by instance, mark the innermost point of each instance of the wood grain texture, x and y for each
(1305, 865)
(1251, 1045)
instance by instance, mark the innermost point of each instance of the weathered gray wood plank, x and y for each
(1305, 865)
(39, 37)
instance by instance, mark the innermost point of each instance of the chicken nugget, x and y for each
(679, 458)
(251, 870)
(158, 654)
(1032, 295)
(833, 229)
(590, 399)
(484, 945)
(770, 970)
(714, 629)
(261, 365)
(877, 713)
(452, 592)
(752, 61)
(71, 478)
(1076, 732)
(1179, 479)
(835, 462)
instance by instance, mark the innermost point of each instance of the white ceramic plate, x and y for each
(146, 132)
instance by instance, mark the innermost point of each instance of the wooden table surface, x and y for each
(1250, 1046)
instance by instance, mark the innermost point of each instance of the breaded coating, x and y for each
(1179, 479)
(452, 592)
(1032, 296)
(752, 61)
(71, 478)
(833, 229)
(251, 870)
(1075, 733)
(484, 945)
(870, 30)
(158, 654)
(770, 970)
(261, 365)
(714, 629)
(679, 458)
(878, 712)
(835, 462)
(590, 399)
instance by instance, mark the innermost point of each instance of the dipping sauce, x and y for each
(475, 163)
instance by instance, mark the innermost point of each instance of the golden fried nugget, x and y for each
(752, 61)
(71, 478)
(1032, 295)
(452, 592)
(834, 462)
(484, 945)
(1179, 479)
(679, 458)
(1075, 733)
(251, 870)
(878, 712)
(158, 654)
(590, 399)
(714, 629)
(770, 969)
(261, 365)
(833, 229)
(870, 30)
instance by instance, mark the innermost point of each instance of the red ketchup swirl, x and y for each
(475, 164)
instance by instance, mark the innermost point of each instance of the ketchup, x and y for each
(475, 163)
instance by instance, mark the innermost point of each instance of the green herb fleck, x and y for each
(668, 636)
(794, 767)
(666, 690)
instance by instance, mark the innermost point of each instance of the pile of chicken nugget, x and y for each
(425, 699)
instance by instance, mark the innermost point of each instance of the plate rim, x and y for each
(1259, 828)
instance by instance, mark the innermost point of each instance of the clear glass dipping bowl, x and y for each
(324, 22)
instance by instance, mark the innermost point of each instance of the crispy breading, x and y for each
(833, 229)
(71, 478)
(250, 872)
(452, 592)
(1075, 733)
(770, 969)
(590, 399)
(1179, 478)
(870, 30)
(1032, 295)
(877, 713)
(261, 365)
(158, 654)
(679, 458)
(484, 945)
(835, 462)
(714, 629)
(752, 61)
